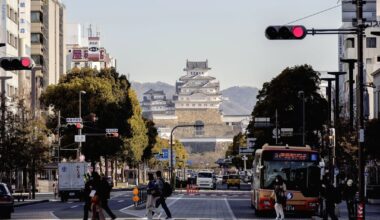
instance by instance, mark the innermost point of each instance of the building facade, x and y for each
(48, 40)
(15, 33)
(84, 50)
(155, 103)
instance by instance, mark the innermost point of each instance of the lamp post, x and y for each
(80, 116)
(171, 168)
(336, 108)
(301, 94)
(351, 65)
(328, 94)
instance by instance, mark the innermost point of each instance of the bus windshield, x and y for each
(298, 175)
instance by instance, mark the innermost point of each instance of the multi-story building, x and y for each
(15, 33)
(48, 40)
(155, 103)
(197, 89)
(85, 51)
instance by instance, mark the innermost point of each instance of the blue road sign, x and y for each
(165, 154)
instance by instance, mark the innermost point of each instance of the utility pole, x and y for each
(351, 65)
(360, 29)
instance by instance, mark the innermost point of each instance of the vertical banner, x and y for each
(24, 17)
(3, 21)
(93, 49)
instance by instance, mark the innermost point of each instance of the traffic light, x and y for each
(112, 135)
(16, 63)
(289, 32)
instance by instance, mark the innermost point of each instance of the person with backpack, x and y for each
(279, 197)
(164, 189)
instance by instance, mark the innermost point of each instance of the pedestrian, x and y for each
(332, 198)
(153, 195)
(279, 197)
(96, 194)
(105, 194)
(161, 199)
(88, 187)
(349, 193)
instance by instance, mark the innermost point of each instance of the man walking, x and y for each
(161, 200)
(105, 194)
(349, 193)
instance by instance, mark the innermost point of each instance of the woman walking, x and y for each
(152, 192)
(279, 197)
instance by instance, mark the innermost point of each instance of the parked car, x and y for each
(6, 202)
(233, 180)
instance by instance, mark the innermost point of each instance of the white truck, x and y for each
(206, 179)
(71, 179)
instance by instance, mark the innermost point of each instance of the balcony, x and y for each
(37, 49)
(37, 28)
(36, 5)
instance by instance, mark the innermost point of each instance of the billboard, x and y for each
(82, 55)
(93, 49)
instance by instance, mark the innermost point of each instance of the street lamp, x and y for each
(301, 95)
(197, 125)
(80, 116)
(351, 65)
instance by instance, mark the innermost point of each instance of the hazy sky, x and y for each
(152, 39)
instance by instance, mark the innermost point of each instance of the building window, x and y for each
(35, 17)
(36, 38)
(371, 42)
(38, 59)
(350, 42)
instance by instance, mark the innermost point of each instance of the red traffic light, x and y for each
(78, 125)
(289, 32)
(16, 63)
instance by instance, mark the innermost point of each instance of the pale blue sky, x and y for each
(152, 39)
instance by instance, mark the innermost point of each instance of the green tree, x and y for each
(281, 93)
(107, 97)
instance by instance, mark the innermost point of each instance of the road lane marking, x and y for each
(120, 201)
(229, 209)
(72, 207)
(52, 214)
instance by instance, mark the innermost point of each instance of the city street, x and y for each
(205, 204)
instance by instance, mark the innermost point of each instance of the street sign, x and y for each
(73, 120)
(244, 157)
(80, 138)
(111, 130)
(165, 154)
(246, 151)
(286, 132)
(261, 122)
(251, 142)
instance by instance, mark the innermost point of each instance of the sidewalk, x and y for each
(40, 198)
(372, 212)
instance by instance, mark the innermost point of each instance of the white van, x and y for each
(205, 179)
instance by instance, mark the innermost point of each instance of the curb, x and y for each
(31, 203)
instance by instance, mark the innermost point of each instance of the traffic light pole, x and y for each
(360, 30)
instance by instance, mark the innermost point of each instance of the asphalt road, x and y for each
(205, 204)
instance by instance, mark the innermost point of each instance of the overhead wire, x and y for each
(314, 14)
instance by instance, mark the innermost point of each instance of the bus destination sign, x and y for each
(294, 156)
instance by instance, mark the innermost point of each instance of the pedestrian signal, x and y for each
(290, 32)
(16, 63)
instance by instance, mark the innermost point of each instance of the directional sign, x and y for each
(112, 130)
(80, 138)
(165, 154)
(73, 120)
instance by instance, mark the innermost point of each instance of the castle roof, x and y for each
(190, 65)
(196, 77)
(154, 92)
